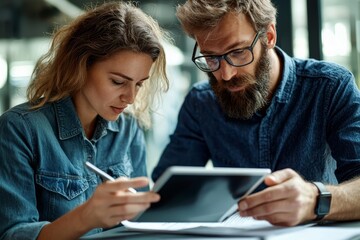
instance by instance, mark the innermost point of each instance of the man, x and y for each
(261, 108)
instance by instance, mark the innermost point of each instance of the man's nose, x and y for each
(227, 71)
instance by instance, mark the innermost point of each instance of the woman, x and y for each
(105, 62)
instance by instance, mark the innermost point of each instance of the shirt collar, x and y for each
(69, 124)
(287, 81)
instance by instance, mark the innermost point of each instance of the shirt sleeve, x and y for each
(19, 217)
(344, 128)
(187, 146)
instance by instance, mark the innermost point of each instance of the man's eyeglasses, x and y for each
(237, 57)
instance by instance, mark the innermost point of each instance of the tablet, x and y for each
(199, 194)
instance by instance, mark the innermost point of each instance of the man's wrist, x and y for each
(323, 201)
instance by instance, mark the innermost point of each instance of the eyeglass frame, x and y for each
(224, 56)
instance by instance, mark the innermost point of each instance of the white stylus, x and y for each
(104, 174)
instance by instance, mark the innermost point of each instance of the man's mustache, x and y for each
(239, 81)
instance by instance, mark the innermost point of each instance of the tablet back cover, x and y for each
(200, 195)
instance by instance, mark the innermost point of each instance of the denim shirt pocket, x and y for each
(122, 169)
(59, 193)
(68, 186)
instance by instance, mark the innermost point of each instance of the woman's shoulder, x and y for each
(24, 115)
(24, 110)
(15, 113)
(21, 109)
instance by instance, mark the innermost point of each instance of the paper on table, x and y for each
(235, 225)
(328, 233)
(235, 221)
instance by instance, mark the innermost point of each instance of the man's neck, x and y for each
(275, 72)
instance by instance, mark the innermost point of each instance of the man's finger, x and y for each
(279, 177)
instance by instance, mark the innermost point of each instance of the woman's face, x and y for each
(112, 84)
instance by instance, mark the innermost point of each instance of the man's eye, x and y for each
(211, 60)
(237, 53)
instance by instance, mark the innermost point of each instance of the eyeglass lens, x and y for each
(238, 57)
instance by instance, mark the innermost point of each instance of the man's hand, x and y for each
(288, 200)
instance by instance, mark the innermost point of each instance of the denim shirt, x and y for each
(311, 125)
(42, 156)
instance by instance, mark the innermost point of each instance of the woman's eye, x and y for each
(139, 84)
(117, 82)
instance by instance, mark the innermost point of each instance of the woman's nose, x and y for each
(129, 95)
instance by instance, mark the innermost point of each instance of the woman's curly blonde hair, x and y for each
(95, 36)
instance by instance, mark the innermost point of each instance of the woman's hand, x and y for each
(112, 202)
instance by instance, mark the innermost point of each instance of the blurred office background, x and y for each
(321, 29)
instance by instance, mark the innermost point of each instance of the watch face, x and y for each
(324, 204)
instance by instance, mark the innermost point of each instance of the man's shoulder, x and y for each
(321, 69)
(201, 91)
(310, 67)
(202, 86)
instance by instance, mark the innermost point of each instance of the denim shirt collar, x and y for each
(287, 82)
(69, 124)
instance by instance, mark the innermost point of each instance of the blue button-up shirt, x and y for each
(42, 156)
(311, 125)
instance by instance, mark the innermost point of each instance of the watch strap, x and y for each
(322, 190)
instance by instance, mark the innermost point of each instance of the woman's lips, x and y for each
(118, 110)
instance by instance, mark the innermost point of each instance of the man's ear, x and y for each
(271, 36)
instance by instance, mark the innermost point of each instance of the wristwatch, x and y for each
(323, 201)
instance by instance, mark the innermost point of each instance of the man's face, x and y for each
(241, 91)
(244, 103)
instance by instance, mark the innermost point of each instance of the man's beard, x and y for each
(243, 104)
